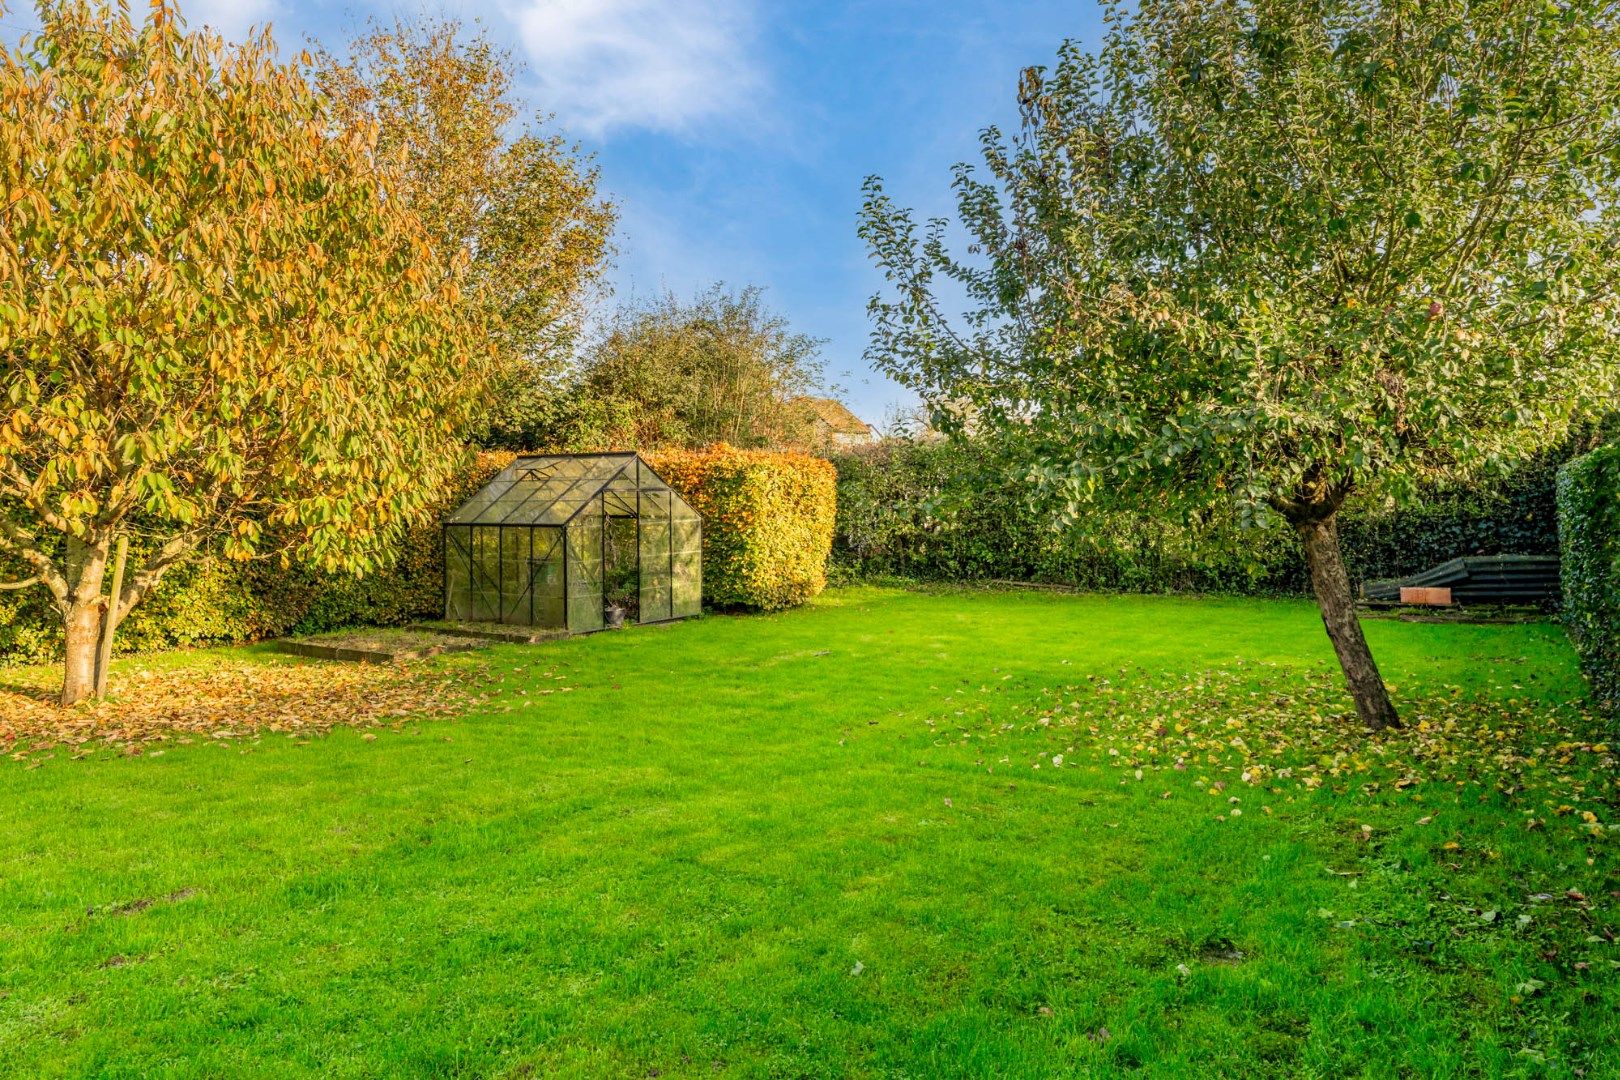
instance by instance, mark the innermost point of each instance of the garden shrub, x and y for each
(767, 522)
(1589, 534)
(964, 509)
(213, 601)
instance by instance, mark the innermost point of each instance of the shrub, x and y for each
(965, 509)
(1589, 535)
(767, 522)
(214, 601)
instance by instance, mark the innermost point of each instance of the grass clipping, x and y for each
(226, 702)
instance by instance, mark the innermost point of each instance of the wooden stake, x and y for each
(109, 623)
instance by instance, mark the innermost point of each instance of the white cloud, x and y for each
(232, 19)
(663, 65)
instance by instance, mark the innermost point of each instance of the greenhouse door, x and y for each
(655, 557)
(621, 565)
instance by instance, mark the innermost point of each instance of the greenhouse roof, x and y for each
(551, 490)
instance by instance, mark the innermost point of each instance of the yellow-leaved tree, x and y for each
(509, 191)
(218, 330)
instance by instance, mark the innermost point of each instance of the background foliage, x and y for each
(672, 373)
(767, 522)
(521, 202)
(961, 509)
(218, 601)
(932, 509)
(1589, 524)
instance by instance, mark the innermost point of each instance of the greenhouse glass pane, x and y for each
(515, 576)
(655, 556)
(585, 573)
(486, 574)
(687, 586)
(546, 572)
(474, 508)
(619, 496)
(457, 573)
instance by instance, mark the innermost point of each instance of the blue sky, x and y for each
(734, 134)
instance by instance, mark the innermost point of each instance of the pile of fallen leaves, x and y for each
(224, 703)
(1275, 729)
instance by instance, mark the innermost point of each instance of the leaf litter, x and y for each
(1259, 730)
(226, 702)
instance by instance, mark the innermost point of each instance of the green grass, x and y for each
(816, 844)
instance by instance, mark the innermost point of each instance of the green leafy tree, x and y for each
(1282, 254)
(216, 328)
(519, 199)
(722, 368)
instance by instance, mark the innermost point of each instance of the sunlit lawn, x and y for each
(818, 844)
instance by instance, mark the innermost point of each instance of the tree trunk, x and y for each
(81, 617)
(1331, 583)
(82, 626)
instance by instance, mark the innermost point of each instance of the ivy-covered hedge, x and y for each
(1589, 533)
(963, 509)
(212, 601)
(767, 522)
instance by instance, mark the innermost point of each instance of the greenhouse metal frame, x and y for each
(553, 539)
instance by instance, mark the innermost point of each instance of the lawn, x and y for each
(926, 833)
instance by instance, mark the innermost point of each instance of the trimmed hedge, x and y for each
(963, 509)
(1589, 534)
(767, 522)
(212, 601)
(951, 510)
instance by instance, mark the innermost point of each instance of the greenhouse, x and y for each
(573, 542)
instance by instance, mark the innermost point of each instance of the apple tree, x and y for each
(1272, 255)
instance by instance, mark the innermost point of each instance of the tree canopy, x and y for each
(217, 325)
(720, 368)
(1273, 254)
(519, 200)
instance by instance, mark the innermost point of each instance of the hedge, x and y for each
(212, 601)
(963, 509)
(767, 522)
(954, 510)
(1589, 535)
(948, 510)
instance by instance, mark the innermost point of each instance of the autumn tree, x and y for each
(516, 197)
(217, 328)
(720, 368)
(1277, 255)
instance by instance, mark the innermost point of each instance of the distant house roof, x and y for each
(836, 415)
